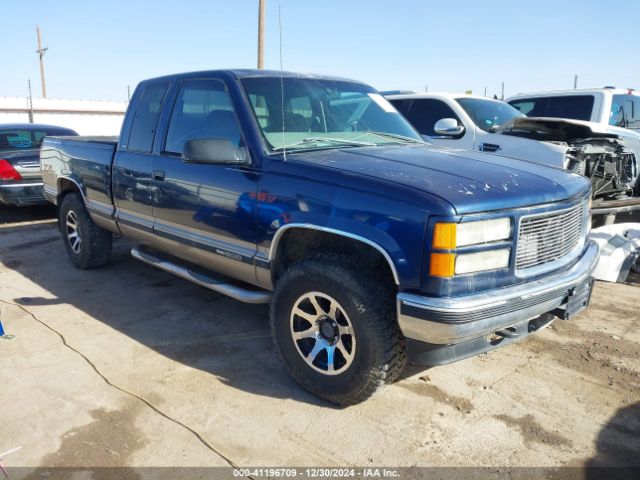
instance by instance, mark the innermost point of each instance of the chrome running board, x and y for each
(234, 291)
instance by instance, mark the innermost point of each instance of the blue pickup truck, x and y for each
(313, 194)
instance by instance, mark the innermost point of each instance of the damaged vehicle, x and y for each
(478, 123)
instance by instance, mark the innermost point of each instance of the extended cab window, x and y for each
(425, 112)
(203, 109)
(143, 127)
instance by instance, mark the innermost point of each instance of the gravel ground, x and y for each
(127, 366)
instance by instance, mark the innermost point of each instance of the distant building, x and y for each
(87, 117)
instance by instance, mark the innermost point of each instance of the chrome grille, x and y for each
(548, 237)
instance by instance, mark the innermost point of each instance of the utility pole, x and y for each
(41, 52)
(575, 81)
(502, 94)
(261, 8)
(30, 102)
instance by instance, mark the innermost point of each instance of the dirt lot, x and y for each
(129, 366)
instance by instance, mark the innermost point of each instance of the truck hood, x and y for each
(471, 182)
(554, 129)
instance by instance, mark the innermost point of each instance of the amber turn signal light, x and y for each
(442, 264)
(444, 236)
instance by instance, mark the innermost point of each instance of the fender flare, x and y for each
(280, 232)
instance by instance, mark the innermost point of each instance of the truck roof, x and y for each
(577, 91)
(438, 95)
(240, 73)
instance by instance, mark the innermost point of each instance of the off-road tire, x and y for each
(95, 245)
(380, 352)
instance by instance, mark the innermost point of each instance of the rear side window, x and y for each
(577, 107)
(203, 109)
(424, 113)
(25, 139)
(145, 121)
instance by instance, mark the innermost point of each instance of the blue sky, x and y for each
(98, 48)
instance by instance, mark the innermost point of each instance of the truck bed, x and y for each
(90, 138)
(83, 160)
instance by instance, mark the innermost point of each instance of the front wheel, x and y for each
(336, 330)
(87, 245)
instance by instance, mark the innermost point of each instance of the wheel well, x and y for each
(65, 186)
(296, 244)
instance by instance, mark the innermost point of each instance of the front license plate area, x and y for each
(577, 300)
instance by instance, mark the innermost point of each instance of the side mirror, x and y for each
(448, 127)
(213, 150)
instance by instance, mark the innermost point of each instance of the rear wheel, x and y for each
(87, 245)
(335, 329)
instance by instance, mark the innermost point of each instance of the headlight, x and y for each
(479, 261)
(449, 236)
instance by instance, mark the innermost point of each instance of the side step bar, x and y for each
(210, 282)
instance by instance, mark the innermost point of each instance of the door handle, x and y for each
(158, 175)
(489, 147)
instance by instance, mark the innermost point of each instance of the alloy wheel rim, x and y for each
(322, 333)
(73, 232)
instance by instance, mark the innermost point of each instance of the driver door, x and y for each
(205, 212)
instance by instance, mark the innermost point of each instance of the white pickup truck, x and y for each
(617, 109)
(478, 123)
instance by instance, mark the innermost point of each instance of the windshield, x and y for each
(577, 107)
(318, 114)
(488, 114)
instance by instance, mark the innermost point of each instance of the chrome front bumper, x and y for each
(448, 321)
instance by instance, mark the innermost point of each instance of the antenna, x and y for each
(284, 150)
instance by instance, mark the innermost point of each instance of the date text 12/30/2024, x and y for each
(316, 472)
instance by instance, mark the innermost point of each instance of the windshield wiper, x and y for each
(395, 136)
(313, 140)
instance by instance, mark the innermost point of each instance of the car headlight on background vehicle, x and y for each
(450, 236)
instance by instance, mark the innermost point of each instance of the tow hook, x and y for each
(510, 332)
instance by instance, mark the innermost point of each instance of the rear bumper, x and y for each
(450, 321)
(22, 194)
